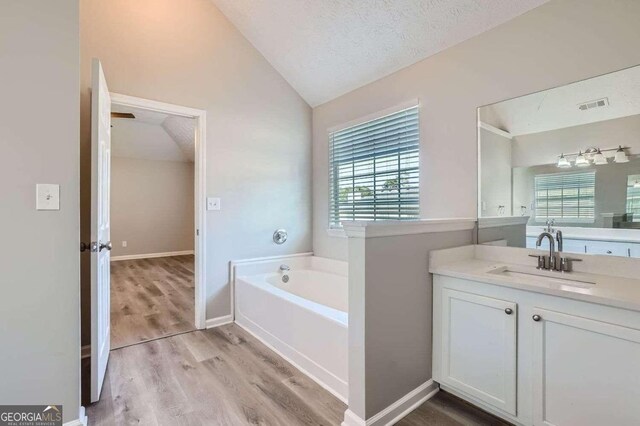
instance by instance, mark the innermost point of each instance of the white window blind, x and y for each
(633, 197)
(374, 169)
(565, 197)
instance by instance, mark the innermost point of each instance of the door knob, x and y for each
(508, 311)
(536, 317)
(107, 246)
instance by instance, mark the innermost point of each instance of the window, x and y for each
(565, 197)
(633, 198)
(374, 169)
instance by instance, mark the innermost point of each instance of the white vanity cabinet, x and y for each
(484, 328)
(585, 371)
(536, 359)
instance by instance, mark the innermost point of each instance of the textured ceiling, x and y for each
(558, 108)
(153, 136)
(325, 48)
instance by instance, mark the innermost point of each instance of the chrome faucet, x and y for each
(551, 264)
(284, 268)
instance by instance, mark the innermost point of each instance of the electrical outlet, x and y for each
(124, 244)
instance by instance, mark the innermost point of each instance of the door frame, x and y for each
(200, 231)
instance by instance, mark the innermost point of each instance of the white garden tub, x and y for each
(305, 319)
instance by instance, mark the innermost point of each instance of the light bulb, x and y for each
(599, 159)
(563, 162)
(621, 156)
(581, 161)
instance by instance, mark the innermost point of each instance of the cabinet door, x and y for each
(586, 372)
(479, 347)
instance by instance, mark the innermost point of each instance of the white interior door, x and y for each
(100, 228)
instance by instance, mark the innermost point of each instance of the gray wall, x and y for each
(258, 128)
(151, 206)
(39, 122)
(390, 316)
(544, 147)
(546, 47)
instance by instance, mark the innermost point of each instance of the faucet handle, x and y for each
(565, 263)
(542, 261)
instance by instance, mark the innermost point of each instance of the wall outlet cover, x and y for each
(47, 196)
(213, 203)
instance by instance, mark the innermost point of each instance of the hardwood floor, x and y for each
(221, 376)
(444, 409)
(224, 376)
(151, 298)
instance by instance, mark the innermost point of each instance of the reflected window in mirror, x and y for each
(565, 197)
(633, 198)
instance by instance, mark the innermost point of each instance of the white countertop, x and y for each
(476, 263)
(621, 235)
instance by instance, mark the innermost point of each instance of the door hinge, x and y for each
(197, 232)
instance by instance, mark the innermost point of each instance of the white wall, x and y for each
(151, 206)
(552, 45)
(258, 128)
(40, 258)
(495, 174)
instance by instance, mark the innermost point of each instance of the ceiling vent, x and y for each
(599, 103)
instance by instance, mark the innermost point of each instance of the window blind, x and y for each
(568, 197)
(633, 198)
(374, 169)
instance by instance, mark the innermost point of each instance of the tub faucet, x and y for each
(284, 268)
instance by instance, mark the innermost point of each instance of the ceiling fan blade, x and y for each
(122, 115)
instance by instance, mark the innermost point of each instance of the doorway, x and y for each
(157, 169)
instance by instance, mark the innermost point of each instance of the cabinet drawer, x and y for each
(608, 248)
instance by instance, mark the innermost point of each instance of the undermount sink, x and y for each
(561, 278)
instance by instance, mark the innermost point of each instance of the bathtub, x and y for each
(305, 320)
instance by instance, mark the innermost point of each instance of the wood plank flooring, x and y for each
(151, 298)
(224, 376)
(221, 376)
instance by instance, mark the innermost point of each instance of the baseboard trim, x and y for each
(80, 421)
(151, 255)
(217, 322)
(396, 411)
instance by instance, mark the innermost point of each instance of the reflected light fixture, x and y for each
(581, 160)
(621, 156)
(637, 184)
(563, 162)
(599, 158)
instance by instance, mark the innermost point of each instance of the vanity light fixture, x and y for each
(581, 160)
(599, 159)
(621, 156)
(563, 162)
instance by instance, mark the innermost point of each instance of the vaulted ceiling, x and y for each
(325, 48)
(152, 136)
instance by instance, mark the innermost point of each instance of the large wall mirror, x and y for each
(565, 158)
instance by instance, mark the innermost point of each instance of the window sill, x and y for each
(336, 232)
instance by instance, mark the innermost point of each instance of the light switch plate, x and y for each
(213, 203)
(47, 196)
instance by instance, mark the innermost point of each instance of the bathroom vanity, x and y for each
(538, 347)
